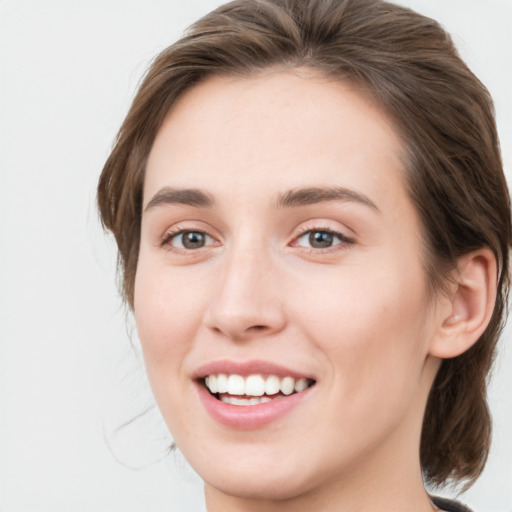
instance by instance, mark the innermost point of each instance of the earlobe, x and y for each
(465, 316)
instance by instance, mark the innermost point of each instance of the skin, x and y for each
(357, 315)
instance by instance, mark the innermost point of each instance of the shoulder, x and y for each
(449, 505)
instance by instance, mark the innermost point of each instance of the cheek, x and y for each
(370, 323)
(167, 313)
(370, 332)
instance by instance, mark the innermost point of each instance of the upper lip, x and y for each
(245, 368)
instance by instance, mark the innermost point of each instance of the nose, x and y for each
(246, 302)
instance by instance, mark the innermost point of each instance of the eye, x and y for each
(189, 240)
(321, 239)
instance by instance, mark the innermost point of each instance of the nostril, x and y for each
(257, 328)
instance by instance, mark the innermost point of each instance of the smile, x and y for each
(252, 394)
(253, 389)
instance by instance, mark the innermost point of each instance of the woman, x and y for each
(313, 227)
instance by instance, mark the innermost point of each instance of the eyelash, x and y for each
(174, 234)
(344, 241)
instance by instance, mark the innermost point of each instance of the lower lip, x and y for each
(249, 417)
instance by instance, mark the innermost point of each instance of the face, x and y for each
(280, 297)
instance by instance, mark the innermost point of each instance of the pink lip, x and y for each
(249, 417)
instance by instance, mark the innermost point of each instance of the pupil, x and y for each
(193, 240)
(320, 239)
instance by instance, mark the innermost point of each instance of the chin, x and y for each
(261, 472)
(259, 485)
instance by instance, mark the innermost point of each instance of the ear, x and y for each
(466, 313)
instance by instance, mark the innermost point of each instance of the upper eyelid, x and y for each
(323, 226)
(321, 229)
(344, 239)
(171, 234)
(192, 225)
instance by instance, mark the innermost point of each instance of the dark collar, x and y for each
(449, 505)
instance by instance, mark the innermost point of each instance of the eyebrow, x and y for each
(313, 195)
(184, 196)
(290, 199)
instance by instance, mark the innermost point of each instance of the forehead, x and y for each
(278, 129)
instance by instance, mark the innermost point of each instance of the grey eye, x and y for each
(319, 239)
(191, 240)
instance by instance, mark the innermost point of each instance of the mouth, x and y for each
(255, 389)
(249, 395)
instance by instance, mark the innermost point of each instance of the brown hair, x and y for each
(408, 64)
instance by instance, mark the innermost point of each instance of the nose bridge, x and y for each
(246, 302)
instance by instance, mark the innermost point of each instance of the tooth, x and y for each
(212, 383)
(239, 401)
(301, 385)
(236, 385)
(233, 400)
(287, 385)
(255, 385)
(222, 383)
(272, 385)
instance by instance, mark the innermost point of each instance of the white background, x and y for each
(68, 70)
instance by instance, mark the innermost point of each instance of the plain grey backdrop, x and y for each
(68, 375)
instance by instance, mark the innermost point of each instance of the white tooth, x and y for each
(206, 381)
(212, 383)
(272, 385)
(301, 385)
(239, 401)
(222, 383)
(233, 400)
(255, 385)
(287, 385)
(236, 385)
